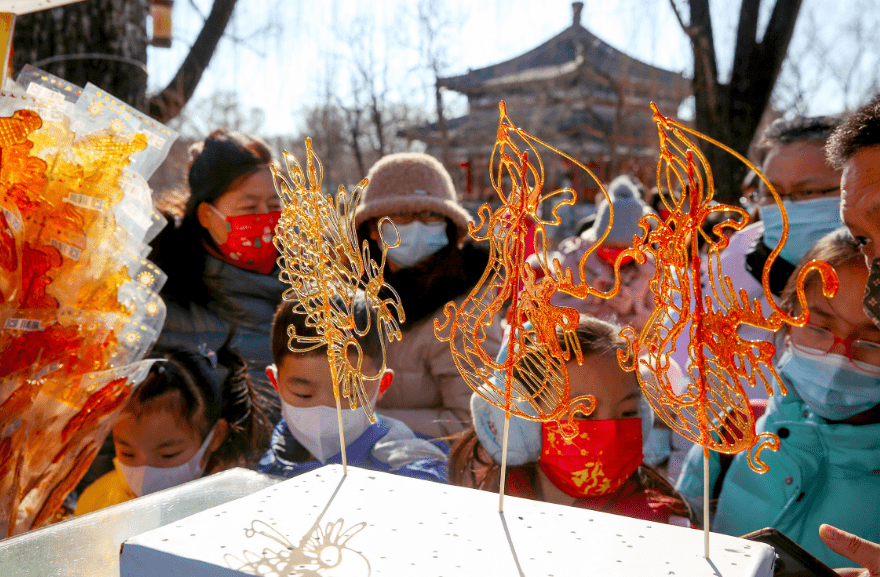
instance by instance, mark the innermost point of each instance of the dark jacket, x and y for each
(237, 297)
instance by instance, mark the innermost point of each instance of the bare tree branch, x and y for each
(850, 69)
(170, 101)
(686, 28)
(195, 7)
(436, 24)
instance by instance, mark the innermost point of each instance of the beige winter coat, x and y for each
(428, 393)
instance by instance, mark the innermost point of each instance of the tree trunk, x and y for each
(171, 100)
(731, 113)
(354, 131)
(441, 123)
(83, 32)
(105, 42)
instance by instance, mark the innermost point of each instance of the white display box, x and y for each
(88, 546)
(375, 524)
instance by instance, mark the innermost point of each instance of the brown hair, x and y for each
(838, 248)
(471, 466)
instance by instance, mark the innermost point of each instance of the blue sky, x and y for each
(281, 55)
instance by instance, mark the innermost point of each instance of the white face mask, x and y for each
(144, 480)
(418, 241)
(317, 428)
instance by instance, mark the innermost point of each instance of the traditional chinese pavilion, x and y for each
(575, 92)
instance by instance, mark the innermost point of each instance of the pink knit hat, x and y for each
(410, 182)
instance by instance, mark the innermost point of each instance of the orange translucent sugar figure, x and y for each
(713, 410)
(22, 179)
(325, 267)
(61, 310)
(20, 171)
(535, 377)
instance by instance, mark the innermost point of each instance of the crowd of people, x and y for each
(202, 408)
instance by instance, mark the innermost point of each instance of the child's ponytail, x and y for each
(242, 409)
(469, 465)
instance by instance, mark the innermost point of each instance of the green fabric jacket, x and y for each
(822, 473)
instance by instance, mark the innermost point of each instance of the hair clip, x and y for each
(208, 354)
(158, 366)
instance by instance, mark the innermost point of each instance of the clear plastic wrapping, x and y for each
(79, 304)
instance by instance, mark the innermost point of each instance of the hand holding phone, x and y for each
(854, 548)
(792, 560)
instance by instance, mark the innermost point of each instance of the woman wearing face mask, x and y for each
(825, 470)
(181, 423)
(220, 259)
(635, 302)
(432, 266)
(601, 468)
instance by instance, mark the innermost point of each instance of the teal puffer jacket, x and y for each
(822, 473)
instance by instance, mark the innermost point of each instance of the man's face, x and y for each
(798, 171)
(860, 200)
(860, 211)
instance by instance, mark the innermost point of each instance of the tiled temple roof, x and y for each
(564, 55)
(570, 87)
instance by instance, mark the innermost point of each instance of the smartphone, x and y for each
(792, 560)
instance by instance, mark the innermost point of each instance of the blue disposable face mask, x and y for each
(418, 241)
(830, 385)
(808, 221)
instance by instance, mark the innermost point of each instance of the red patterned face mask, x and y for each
(598, 460)
(249, 241)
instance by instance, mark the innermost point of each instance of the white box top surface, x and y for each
(375, 524)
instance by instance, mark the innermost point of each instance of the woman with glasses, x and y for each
(827, 468)
(433, 265)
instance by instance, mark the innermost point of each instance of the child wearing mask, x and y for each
(182, 422)
(307, 436)
(601, 468)
(634, 302)
(826, 468)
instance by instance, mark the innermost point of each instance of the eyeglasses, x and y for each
(864, 355)
(762, 195)
(426, 216)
